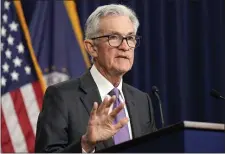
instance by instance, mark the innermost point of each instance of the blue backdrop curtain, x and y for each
(182, 52)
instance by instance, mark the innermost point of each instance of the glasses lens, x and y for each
(137, 41)
(115, 40)
(131, 40)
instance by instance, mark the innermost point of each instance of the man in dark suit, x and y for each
(98, 110)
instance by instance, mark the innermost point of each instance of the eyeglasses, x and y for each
(116, 40)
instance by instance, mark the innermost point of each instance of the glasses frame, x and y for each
(137, 38)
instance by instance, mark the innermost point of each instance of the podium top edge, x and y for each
(204, 125)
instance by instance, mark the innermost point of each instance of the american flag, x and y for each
(20, 89)
(58, 58)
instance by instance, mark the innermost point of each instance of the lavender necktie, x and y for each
(123, 134)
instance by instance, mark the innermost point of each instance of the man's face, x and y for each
(115, 60)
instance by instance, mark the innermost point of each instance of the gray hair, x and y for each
(92, 23)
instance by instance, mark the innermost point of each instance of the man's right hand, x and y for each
(100, 125)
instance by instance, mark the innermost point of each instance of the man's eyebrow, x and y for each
(117, 33)
(114, 32)
(131, 33)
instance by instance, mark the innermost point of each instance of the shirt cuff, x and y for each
(83, 151)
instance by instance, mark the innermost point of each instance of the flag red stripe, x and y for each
(23, 119)
(38, 93)
(6, 142)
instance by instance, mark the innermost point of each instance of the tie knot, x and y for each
(114, 91)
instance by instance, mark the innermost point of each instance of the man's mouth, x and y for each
(125, 57)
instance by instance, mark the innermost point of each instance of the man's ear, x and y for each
(90, 48)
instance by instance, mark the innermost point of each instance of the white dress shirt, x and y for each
(104, 87)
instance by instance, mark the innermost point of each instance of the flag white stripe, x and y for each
(12, 123)
(31, 104)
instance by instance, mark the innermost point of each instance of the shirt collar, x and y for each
(104, 86)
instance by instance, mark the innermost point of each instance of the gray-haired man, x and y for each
(98, 109)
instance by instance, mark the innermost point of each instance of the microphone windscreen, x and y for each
(215, 93)
(155, 89)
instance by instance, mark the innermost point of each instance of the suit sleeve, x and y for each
(52, 126)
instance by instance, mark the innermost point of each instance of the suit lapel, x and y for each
(92, 95)
(91, 91)
(133, 114)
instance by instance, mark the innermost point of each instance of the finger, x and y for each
(116, 111)
(121, 123)
(103, 104)
(94, 110)
(111, 101)
(106, 111)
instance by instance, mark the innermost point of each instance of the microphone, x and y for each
(155, 91)
(216, 94)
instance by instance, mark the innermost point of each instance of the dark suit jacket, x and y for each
(65, 113)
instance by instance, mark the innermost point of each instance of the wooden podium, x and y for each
(186, 136)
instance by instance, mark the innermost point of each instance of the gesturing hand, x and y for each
(100, 125)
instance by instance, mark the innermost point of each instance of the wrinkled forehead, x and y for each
(116, 25)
